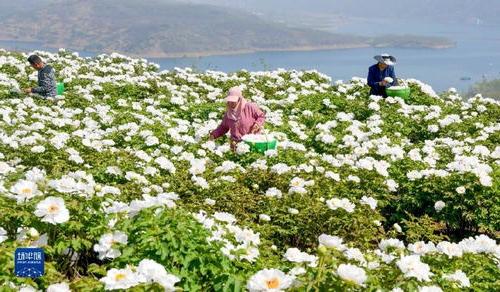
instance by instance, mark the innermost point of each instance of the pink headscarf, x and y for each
(235, 113)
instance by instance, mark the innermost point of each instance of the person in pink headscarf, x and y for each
(241, 118)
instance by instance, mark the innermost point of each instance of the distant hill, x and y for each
(488, 88)
(439, 11)
(158, 28)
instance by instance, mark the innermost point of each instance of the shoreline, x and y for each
(201, 54)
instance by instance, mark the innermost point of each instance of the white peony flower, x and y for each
(460, 190)
(197, 166)
(459, 277)
(121, 279)
(430, 289)
(414, 175)
(439, 205)
(369, 201)
(224, 217)
(35, 175)
(209, 202)
(52, 210)
(331, 242)
(25, 190)
(280, 168)
(352, 273)
(154, 272)
(412, 267)
(296, 256)
(433, 128)
(450, 249)
(200, 182)
(107, 244)
(297, 271)
(345, 204)
(38, 149)
(5, 168)
(114, 170)
(355, 254)
(385, 244)
(264, 217)
(485, 180)
(271, 280)
(66, 184)
(59, 287)
(151, 140)
(271, 153)
(421, 248)
(3, 235)
(392, 185)
(273, 192)
(242, 148)
(332, 175)
(388, 79)
(27, 288)
(166, 164)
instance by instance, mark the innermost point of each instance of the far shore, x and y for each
(156, 55)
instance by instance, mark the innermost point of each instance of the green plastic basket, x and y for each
(262, 147)
(400, 92)
(60, 88)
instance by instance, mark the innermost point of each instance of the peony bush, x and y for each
(117, 181)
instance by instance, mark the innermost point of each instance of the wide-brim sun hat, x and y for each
(385, 59)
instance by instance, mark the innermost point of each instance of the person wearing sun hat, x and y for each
(382, 75)
(241, 118)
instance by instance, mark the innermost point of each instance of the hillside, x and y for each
(457, 11)
(158, 28)
(166, 28)
(488, 88)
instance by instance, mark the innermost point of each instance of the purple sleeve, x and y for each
(258, 115)
(221, 129)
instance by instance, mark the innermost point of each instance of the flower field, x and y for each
(119, 184)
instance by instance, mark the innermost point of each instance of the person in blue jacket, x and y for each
(46, 78)
(378, 73)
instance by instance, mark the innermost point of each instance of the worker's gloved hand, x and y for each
(383, 83)
(27, 90)
(255, 129)
(233, 145)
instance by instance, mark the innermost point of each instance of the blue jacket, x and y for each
(46, 82)
(375, 75)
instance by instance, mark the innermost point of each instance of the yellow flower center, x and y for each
(26, 191)
(120, 277)
(273, 283)
(53, 209)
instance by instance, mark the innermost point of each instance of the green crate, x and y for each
(262, 147)
(400, 92)
(60, 88)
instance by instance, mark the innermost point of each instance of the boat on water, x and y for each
(465, 78)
